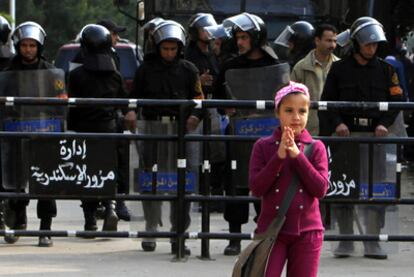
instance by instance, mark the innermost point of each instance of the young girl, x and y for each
(274, 160)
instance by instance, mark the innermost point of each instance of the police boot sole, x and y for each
(376, 256)
(45, 242)
(11, 239)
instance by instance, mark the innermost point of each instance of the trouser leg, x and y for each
(374, 221)
(345, 218)
(304, 254)
(173, 216)
(89, 211)
(152, 216)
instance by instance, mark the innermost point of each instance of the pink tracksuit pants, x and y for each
(301, 252)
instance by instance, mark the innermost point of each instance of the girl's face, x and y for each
(293, 112)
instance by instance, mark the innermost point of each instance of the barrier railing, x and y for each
(181, 139)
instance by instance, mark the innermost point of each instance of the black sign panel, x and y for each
(344, 167)
(72, 167)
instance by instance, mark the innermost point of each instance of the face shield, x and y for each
(169, 30)
(343, 38)
(244, 22)
(372, 33)
(203, 20)
(284, 37)
(217, 31)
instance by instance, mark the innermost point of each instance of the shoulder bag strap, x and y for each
(290, 194)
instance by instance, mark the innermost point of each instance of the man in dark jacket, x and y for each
(5, 56)
(250, 34)
(97, 77)
(28, 39)
(362, 77)
(165, 76)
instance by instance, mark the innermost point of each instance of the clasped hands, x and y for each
(287, 144)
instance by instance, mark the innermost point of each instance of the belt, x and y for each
(163, 119)
(362, 121)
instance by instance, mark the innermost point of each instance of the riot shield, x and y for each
(252, 84)
(259, 83)
(29, 83)
(157, 172)
(363, 219)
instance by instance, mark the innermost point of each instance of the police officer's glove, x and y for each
(130, 121)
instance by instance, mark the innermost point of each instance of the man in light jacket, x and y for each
(313, 69)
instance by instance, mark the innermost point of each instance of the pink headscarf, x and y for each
(291, 88)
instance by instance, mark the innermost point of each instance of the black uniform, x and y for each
(207, 62)
(157, 79)
(87, 81)
(350, 81)
(238, 213)
(204, 62)
(45, 208)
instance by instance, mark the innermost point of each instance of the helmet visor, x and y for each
(203, 20)
(370, 34)
(244, 22)
(29, 31)
(343, 38)
(169, 31)
(217, 31)
(284, 37)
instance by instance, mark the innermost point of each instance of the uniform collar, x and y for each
(304, 137)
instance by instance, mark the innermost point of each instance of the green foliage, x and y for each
(63, 19)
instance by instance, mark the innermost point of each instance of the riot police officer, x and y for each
(5, 56)
(165, 76)
(298, 39)
(362, 76)
(5, 53)
(28, 39)
(200, 52)
(97, 77)
(250, 34)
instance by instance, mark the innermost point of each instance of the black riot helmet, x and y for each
(250, 23)
(299, 33)
(367, 30)
(29, 30)
(197, 22)
(149, 27)
(95, 39)
(169, 30)
(5, 30)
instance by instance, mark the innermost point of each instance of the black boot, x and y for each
(233, 249)
(45, 224)
(122, 211)
(111, 219)
(148, 246)
(90, 221)
(20, 223)
(2, 225)
(174, 249)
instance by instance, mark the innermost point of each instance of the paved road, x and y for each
(124, 257)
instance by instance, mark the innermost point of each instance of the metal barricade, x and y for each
(182, 139)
